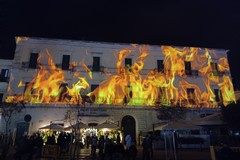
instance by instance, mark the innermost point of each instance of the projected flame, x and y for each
(129, 87)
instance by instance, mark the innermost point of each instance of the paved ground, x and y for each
(183, 154)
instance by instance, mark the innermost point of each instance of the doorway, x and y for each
(129, 127)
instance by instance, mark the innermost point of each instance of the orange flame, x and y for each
(130, 87)
(18, 39)
(87, 70)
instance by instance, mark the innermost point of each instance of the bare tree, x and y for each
(72, 117)
(8, 110)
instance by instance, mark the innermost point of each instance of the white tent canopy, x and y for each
(79, 125)
(107, 125)
(214, 119)
(54, 127)
(177, 125)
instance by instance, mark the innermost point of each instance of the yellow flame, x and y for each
(87, 69)
(130, 86)
(18, 39)
(227, 90)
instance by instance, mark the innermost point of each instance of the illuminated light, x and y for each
(105, 130)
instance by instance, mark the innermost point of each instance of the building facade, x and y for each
(121, 83)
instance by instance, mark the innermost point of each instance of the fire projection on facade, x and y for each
(128, 86)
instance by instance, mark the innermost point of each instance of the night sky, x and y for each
(198, 23)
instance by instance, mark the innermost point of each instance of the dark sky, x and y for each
(198, 23)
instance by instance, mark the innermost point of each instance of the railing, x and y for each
(25, 64)
(96, 68)
(51, 151)
(193, 73)
(112, 70)
(218, 73)
(224, 152)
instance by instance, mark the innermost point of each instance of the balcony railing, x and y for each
(218, 73)
(193, 73)
(25, 64)
(96, 68)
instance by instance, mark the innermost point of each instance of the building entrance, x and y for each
(129, 127)
(22, 128)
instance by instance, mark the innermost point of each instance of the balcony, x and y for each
(193, 73)
(96, 68)
(218, 73)
(58, 65)
(25, 64)
(28, 65)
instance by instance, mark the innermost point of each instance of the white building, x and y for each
(121, 83)
(5, 67)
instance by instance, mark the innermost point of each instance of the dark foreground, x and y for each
(85, 154)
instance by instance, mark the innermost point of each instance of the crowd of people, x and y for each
(114, 150)
(119, 148)
(27, 146)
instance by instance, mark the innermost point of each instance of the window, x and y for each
(128, 64)
(62, 91)
(188, 70)
(33, 60)
(128, 61)
(218, 95)
(190, 93)
(93, 87)
(26, 86)
(4, 75)
(1, 97)
(29, 87)
(65, 62)
(214, 67)
(96, 64)
(163, 95)
(160, 66)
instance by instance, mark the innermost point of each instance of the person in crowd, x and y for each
(108, 147)
(226, 153)
(128, 140)
(88, 138)
(132, 152)
(118, 151)
(150, 146)
(62, 141)
(21, 147)
(101, 143)
(38, 144)
(94, 144)
(68, 141)
(51, 139)
(118, 138)
(146, 147)
(31, 147)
